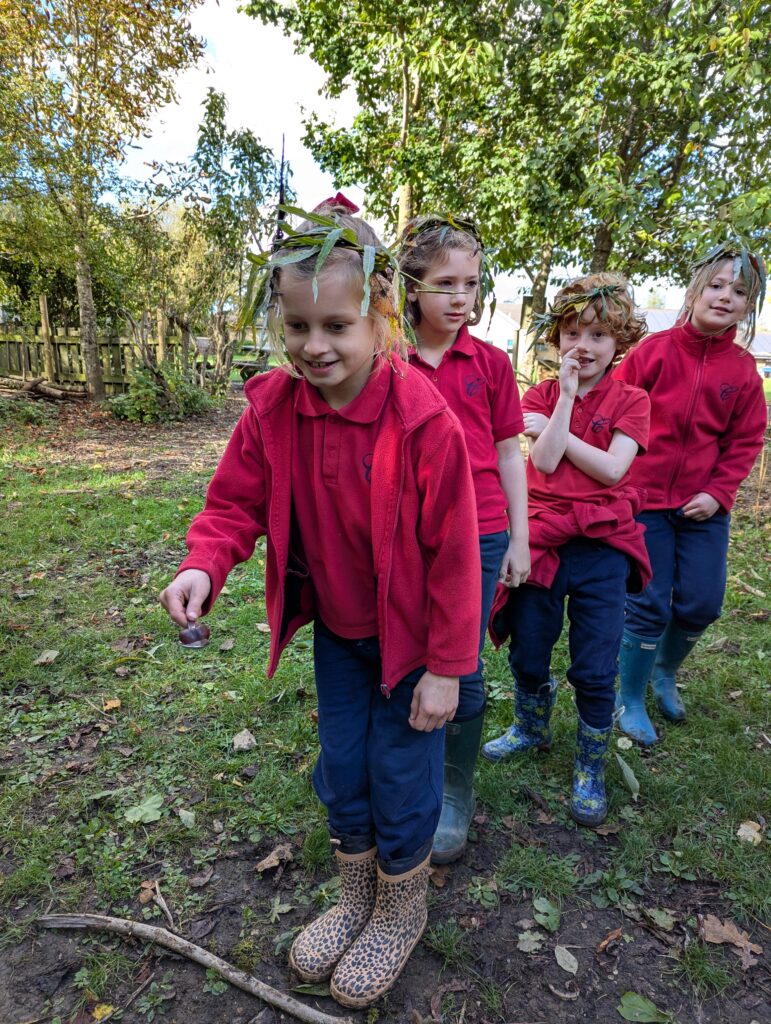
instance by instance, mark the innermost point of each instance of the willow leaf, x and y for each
(368, 264)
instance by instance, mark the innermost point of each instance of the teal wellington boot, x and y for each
(635, 661)
(461, 746)
(674, 647)
(530, 728)
(588, 803)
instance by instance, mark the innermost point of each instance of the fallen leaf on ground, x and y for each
(661, 918)
(508, 822)
(735, 694)
(750, 832)
(263, 627)
(102, 1010)
(630, 779)
(571, 990)
(438, 874)
(244, 740)
(146, 891)
(543, 818)
(610, 938)
(566, 960)
(186, 817)
(282, 853)
(227, 645)
(608, 830)
(111, 704)
(635, 1007)
(624, 743)
(46, 657)
(65, 869)
(714, 930)
(530, 942)
(196, 881)
(436, 998)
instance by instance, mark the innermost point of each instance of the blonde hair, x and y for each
(702, 277)
(613, 304)
(383, 305)
(421, 247)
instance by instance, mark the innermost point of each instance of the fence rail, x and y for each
(21, 356)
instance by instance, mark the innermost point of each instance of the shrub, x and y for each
(169, 395)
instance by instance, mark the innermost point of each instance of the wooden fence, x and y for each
(22, 356)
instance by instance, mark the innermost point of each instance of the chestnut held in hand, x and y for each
(196, 635)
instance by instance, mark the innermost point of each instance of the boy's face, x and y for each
(590, 342)
(722, 303)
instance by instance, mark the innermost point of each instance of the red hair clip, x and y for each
(339, 200)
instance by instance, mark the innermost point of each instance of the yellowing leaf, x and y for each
(46, 657)
(112, 704)
(750, 832)
(102, 1010)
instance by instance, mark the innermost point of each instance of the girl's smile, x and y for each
(328, 339)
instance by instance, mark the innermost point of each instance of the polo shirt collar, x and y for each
(599, 388)
(463, 345)
(365, 408)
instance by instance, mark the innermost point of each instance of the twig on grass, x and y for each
(162, 937)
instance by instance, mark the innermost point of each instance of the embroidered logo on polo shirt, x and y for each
(600, 423)
(367, 463)
(473, 384)
(726, 390)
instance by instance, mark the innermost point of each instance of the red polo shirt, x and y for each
(331, 494)
(607, 407)
(477, 381)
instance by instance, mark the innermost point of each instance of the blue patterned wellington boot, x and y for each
(635, 662)
(588, 804)
(530, 728)
(674, 647)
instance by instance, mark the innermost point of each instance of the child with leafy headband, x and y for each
(446, 280)
(708, 418)
(348, 463)
(585, 430)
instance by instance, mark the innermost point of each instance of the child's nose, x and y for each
(315, 343)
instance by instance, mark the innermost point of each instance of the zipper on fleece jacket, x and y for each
(695, 390)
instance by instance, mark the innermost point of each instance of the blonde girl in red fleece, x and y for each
(357, 472)
(708, 417)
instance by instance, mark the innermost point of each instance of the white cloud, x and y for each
(266, 84)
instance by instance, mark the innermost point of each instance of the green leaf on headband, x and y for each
(368, 262)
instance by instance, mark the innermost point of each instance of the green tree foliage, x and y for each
(80, 78)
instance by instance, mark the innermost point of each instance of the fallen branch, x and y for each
(162, 937)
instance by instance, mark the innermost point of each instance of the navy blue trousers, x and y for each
(379, 779)
(689, 573)
(471, 691)
(592, 576)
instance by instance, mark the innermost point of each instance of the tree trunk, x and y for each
(163, 350)
(405, 188)
(603, 246)
(88, 343)
(48, 349)
(405, 207)
(541, 279)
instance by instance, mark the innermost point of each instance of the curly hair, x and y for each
(610, 296)
(426, 241)
(383, 307)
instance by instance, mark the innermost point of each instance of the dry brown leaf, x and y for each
(571, 990)
(508, 822)
(436, 998)
(199, 880)
(750, 832)
(611, 937)
(608, 830)
(146, 891)
(281, 854)
(735, 694)
(112, 704)
(543, 818)
(438, 874)
(718, 932)
(46, 657)
(263, 627)
(227, 645)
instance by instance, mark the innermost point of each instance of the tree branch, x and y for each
(162, 937)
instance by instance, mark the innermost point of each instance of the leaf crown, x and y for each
(544, 326)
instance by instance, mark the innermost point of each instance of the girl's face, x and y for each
(444, 311)
(328, 340)
(723, 302)
(592, 344)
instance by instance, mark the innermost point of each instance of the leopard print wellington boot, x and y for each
(318, 947)
(378, 956)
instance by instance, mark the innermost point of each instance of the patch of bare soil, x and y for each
(615, 953)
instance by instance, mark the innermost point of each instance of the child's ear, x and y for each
(411, 294)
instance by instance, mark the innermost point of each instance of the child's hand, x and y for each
(434, 702)
(185, 595)
(515, 567)
(534, 423)
(701, 506)
(569, 374)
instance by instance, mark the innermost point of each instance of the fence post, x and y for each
(48, 349)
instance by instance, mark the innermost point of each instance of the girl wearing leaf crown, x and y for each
(585, 430)
(708, 417)
(442, 261)
(349, 464)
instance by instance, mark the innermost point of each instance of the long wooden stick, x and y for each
(162, 937)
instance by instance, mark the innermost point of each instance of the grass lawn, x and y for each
(120, 781)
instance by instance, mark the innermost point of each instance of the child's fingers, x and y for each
(174, 600)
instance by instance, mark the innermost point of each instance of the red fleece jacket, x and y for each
(424, 535)
(708, 415)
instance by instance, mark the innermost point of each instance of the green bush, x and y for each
(149, 400)
(21, 410)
